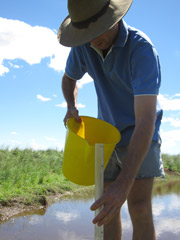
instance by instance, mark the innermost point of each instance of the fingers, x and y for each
(75, 114)
(72, 112)
(103, 214)
(101, 203)
(111, 201)
(106, 214)
(97, 204)
(109, 216)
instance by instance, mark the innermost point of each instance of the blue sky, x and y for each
(32, 62)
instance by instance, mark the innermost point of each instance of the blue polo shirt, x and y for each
(130, 68)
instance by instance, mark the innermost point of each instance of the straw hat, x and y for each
(88, 19)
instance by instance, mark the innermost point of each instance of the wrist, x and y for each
(71, 108)
(125, 181)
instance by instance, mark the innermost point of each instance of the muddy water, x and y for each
(70, 219)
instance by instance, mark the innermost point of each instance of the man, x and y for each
(125, 68)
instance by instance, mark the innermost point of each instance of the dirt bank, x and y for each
(17, 207)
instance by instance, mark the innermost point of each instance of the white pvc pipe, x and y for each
(99, 184)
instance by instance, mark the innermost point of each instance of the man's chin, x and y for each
(101, 47)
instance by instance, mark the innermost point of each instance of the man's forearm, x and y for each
(70, 90)
(137, 150)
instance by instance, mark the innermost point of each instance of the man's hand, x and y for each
(111, 201)
(72, 112)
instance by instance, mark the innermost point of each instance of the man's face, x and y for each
(105, 40)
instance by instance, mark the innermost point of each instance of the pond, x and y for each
(71, 219)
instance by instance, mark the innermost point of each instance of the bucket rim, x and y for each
(82, 116)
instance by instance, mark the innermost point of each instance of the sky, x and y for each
(32, 62)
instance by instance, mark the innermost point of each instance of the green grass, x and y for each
(171, 162)
(29, 175)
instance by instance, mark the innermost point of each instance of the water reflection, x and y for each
(166, 210)
(67, 217)
(71, 218)
(167, 187)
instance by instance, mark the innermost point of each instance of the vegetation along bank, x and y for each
(31, 179)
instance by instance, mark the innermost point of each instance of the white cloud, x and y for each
(58, 145)
(19, 40)
(170, 141)
(58, 59)
(170, 138)
(80, 105)
(64, 105)
(43, 99)
(13, 133)
(14, 65)
(15, 142)
(169, 103)
(86, 79)
(3, 69)
(175, 122)
(50, 139)
(36, 146)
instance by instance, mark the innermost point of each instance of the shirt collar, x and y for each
(122, 35)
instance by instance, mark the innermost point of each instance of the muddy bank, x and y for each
(17, 207)
(171, 173)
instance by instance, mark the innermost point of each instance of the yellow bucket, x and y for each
(79, 151)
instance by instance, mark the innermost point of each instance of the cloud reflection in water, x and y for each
(67, 216)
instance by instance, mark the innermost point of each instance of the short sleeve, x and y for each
(75, 67)
(145, 70)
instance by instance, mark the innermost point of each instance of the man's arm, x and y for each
(116, 194)
(145, 115)
(70, 91)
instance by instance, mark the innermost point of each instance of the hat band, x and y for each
(94, 18)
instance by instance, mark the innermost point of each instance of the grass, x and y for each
(171, 162)
(30, 175)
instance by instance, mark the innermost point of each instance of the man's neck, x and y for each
(105, 51)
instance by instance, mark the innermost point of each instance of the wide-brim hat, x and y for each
(89, 19)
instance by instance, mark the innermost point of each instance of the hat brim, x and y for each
(70, 36)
